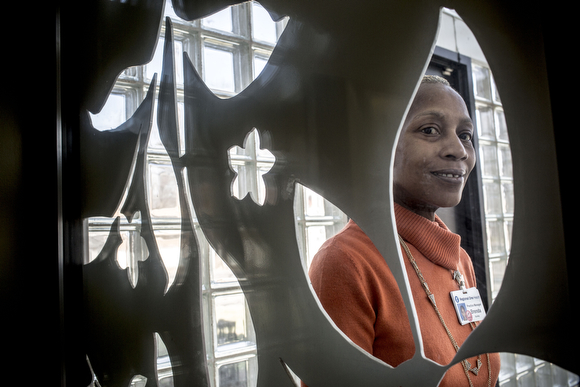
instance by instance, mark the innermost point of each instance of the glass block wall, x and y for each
(498, 194)
(496, 171)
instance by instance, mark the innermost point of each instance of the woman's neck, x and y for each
(425, 211)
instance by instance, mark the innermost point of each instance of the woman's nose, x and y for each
(454, 148)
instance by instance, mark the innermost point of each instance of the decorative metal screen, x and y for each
(225, 147)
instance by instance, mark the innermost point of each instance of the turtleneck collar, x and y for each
(433, 239)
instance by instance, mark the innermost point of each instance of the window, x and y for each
(496, 173)
(229, 49)
(316, 220)
(498, 193)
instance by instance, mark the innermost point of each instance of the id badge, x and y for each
(468, 305)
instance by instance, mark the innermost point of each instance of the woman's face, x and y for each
(435, 154)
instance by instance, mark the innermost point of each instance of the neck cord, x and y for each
(431, 296)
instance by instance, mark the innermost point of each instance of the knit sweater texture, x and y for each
(360, 294)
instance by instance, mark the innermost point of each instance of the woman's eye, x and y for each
(430, 130)
(466, 136)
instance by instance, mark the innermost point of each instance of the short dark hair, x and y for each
(435, 79)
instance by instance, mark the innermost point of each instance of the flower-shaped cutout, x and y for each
(250, 163)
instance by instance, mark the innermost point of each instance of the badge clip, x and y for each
(457, 276)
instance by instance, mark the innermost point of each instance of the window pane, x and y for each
(315, 235)
(263, 27)
(497, 268)
(481, 82)
(262, 184)
(230, 319)
(155, 143)
(124, 256)
(559, 376)
(163, 195)
(501, 125)
(259, 64)
(573, 379)
(220, 272)
(164, 369)
(233, 375)
(496, 97)
(113, 114)
(245, 181)
(505, 157)
(262, 153)
(527, 379)
(496, 244)
(218, 69)
(235, 187)
(137, 381)
(97, 240)
(131, 73)
(508, 366)
(169, 11)
(492, 197)
(508, 197)
(508, 233)
(221, 20)
(154, 138)
(485, 122)
(524, 363)
(509, 383)
(488, 153)
(313, 203)
(169, 244)
(156, 64)
(132, 250)
(178, 60)
(543, 376)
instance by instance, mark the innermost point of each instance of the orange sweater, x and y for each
(359, 292)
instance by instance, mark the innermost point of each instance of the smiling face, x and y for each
(434, 155)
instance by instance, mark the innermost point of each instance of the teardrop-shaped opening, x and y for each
(164, 367)
(233, 48)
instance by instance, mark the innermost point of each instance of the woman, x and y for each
(433, 159)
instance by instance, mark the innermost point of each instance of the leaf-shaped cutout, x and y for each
(291, 374)
(112, 115)
(138, 381)
(169, 242)
(164, 367)
(94, 379)
(263, 27)
(132, 249)
(164, 206)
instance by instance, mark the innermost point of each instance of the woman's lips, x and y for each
(452, 175)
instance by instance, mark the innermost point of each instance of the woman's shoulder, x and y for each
(349, 249)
